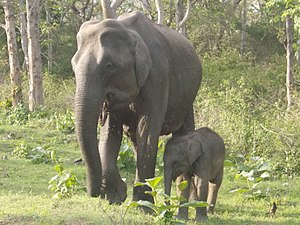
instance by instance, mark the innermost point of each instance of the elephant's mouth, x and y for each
(104, 112)
(108, 106)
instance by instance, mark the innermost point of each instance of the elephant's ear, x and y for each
(143, 60)
(194, 150)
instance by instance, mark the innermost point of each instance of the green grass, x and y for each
(25, 198)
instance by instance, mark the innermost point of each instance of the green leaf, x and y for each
(239, 156)
(153, 193)
(237, 176)
(139, 184)
(265, 175)
(145, 204)
(194, 204)
(228, 163)
(263, 167)
(239, 190)
(153, 182)
(247, 174)
(243, 167)
(183, 185)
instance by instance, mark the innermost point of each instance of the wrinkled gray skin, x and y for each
(197, 157)
(140, 79)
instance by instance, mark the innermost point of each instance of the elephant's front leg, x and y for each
(202, 192)
(183, 211)
(147, 135)
(114, 188)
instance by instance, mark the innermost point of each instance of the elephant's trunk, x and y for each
(87, 111)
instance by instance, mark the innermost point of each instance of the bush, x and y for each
(37, 155)
(64, 184)
(17, 115)
(65, 122)
(245, 103)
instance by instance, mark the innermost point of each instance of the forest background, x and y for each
(250, 51)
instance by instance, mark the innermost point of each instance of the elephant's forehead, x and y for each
(108, 30)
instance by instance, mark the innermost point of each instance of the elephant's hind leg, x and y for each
(213, 191)
(188, 124)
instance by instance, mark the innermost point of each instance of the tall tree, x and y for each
(36, 93)
(287, 10)
(181, 17)
(23, 31)
(160, 11)
(244, 25)
(289, 59)
(107, 10)
(14, 65)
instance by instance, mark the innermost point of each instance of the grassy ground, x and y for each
(25, 198)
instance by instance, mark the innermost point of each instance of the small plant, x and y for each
(253, 170)
(6, 103)
(64, 184)
(40, 155)
(126, 158)
(37, 155)
(164, 206)
(22, 150)
(65, 122)
(17, 115)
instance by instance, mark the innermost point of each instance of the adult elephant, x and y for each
(139, 78)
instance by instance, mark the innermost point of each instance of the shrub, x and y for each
(164, 212)
(126, 158)
(64, 184)
(40, 155)
(252, 169)
(22, 150)
(65, 122)
(17, 115)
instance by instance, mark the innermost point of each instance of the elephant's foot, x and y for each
(115, 192)
(139, 194)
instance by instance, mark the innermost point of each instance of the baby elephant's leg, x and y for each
(214, 186)
(183, 212)
(202, 192)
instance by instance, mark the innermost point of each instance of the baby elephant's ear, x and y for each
(194, 150)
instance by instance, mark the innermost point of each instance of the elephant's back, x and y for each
(185, 75)
(175, 67)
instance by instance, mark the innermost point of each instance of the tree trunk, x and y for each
(14, 65)
(298, 52)
(107, 10)
(244, 26)
(179, 16)
(160, 11)
(23, 30)
(289, 59)
(49, 43)
(36, 97)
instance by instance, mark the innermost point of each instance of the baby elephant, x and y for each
(197, 157)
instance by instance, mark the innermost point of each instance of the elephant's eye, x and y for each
(110, 67)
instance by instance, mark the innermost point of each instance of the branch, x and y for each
(3, 26)
(186, 16)
(116, 4)
(160, 11)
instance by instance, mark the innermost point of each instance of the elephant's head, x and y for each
(111, 65)
(179, 157)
